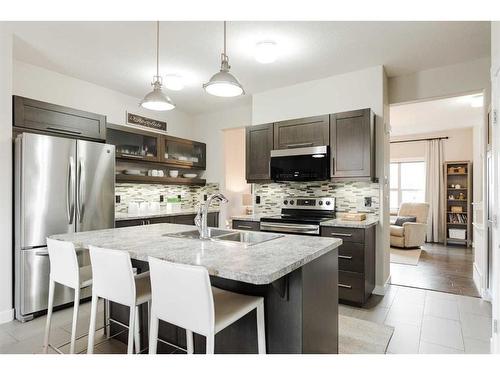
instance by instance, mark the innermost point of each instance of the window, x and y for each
(407, 183)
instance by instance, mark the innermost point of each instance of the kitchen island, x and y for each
(296, 275)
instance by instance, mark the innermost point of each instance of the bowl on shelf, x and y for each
(189, 175)
(173, 173)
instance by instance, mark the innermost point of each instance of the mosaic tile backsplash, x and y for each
(190, 195)
(349, 195)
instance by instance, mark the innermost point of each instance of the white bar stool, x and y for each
(182, 295)
(114, 280)
(64, 269)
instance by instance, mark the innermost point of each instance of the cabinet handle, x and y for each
(244, 226)
(59, 130)
(341, 234)
(292, 145)
(345, 286)
(345, 257)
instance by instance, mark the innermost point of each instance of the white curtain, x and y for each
(434, 190)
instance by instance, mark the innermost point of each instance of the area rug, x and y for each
(363, 337)
(409, 257)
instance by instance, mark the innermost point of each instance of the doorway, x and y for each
(437, 178)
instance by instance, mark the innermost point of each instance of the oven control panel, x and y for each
(323, 203)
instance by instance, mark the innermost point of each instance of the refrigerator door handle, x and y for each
(81, 189)
(70, 193)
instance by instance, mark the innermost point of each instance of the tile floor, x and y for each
(444, 268)
(429, 322)
(424, 321)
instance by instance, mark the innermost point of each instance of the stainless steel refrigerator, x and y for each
(61, 185)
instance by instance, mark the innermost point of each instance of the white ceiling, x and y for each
(434, 115)
(121, 55)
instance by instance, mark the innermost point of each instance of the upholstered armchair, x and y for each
(411, 234)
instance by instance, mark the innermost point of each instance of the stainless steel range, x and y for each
(300, 215)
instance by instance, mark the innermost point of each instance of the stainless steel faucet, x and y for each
(201, 215)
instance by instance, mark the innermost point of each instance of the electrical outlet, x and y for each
(368, 201)
(204, 197)
(161, 198)
(257, 199)
(117, 199)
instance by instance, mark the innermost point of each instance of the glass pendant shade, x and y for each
(156, 100)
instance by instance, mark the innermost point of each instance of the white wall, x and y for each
(209, 128)
(355, 90)
(235, 184)
(41, 84)
(459, 145)
(439, 82)
(6, 307)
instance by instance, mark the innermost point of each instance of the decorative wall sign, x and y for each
(146, 122)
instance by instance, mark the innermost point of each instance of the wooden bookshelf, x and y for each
(458, 173)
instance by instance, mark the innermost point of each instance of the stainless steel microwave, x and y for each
(301, 164)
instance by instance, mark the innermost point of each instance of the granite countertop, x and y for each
(120, 216)
(258, 264)
(252, 217)
(370, 221)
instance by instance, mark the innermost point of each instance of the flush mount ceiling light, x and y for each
(224, 83)
(476, 101)
(266, 52)
(156, 100)
(174, 82)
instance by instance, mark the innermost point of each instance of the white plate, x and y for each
(190, 175)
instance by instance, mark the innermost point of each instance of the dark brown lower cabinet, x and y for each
(356, 262)
(212, 220)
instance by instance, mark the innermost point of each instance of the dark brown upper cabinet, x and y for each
(259, 143)
(352, 144)
(134, 144)
(304, 132)
(184, 152)
(52, 118)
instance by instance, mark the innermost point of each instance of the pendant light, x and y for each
(224, 83)
(156, 100)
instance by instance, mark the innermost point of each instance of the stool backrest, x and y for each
(64, 267)
(112, 275)
(182, 295)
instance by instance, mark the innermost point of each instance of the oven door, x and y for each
(311, 229)
(300, 164)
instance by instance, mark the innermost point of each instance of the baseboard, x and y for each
(381, 290)
(6, 316)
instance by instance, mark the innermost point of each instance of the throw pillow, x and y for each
(400, 220)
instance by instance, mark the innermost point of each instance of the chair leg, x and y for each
(76, 305)
(131, 331)
(190, 342)
(137, 334)
(261, 330)
(107, 327)
(93, 316)
(52, 285)
(153, 334)
(210, 344)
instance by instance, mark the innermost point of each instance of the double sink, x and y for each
(228, 236)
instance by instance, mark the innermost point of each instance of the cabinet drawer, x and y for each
(346, 234)
(352, 257)
(246, 225)
(351, 286)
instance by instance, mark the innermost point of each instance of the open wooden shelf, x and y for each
(465, 190)
(159, 180)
